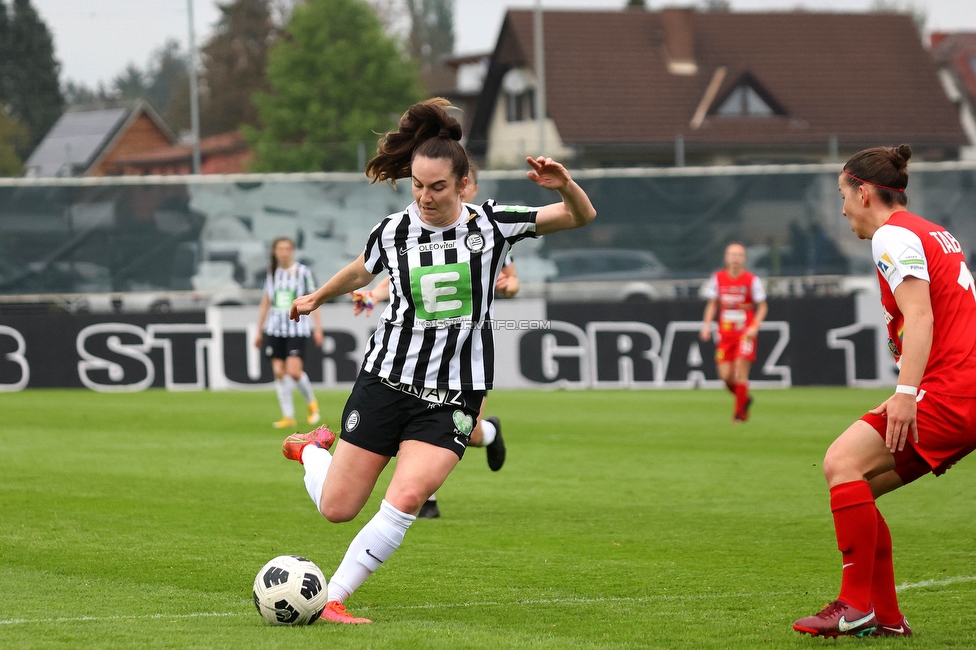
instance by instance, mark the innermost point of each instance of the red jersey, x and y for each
(737, 299)
(907, 245)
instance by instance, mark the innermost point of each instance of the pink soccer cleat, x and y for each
(335, 612)
(294, 444)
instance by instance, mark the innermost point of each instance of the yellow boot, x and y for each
(313, 412)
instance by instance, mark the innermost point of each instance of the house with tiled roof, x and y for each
(637, 87)
(226, 153)
(88, 141)
(955, 55)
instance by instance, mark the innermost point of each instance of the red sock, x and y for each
(741, 397)
(856, 525)
(883, 583)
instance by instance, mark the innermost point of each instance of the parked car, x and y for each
(606, 265)
(603, 274)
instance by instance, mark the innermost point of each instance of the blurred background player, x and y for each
(429, 364)
(488, 431)
(285, 340)
(738, 298)
(929, 423)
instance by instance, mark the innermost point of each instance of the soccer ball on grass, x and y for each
(290, 590)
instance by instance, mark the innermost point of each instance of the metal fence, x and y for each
(659, 228)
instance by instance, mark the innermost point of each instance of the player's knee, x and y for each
(337, 513)
(407, 500)
(834, 463)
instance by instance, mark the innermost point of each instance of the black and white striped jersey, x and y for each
(436, 331)
(282, 289)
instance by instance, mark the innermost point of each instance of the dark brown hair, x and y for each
(884, 168)
(424, 130)
(472, 173)
(274, 260)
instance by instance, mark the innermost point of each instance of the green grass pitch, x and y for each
(621, 520)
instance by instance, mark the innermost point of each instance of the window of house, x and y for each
(747, 98)
(744, 101)
(520, 107)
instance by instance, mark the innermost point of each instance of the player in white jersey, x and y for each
(283, 339)
(431, 360)
(487, 432)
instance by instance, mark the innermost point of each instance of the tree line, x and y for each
(305, 81)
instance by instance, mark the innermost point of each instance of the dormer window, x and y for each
(747, 98)
(519, 96)
(746, 102)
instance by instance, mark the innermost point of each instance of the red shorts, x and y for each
(732, 346)
(946, 433)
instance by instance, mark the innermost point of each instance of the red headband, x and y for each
(884, 187)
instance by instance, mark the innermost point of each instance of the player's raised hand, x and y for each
(547, 173)
(302, 306)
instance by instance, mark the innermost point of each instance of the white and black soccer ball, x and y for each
(290, 590)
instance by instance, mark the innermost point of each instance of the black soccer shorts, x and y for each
(380, 414)
(282, 347)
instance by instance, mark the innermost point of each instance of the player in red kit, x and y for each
(738, 298)
(929, 423)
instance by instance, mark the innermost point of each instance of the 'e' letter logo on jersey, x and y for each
(442, 291)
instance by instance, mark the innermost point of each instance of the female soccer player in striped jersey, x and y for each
(929, 300)
(285, 340)
(430, 362)
(487, 432)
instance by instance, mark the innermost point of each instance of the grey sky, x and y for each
(95, 39)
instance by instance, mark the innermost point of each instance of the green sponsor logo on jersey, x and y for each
(283, 299)
(442, 291)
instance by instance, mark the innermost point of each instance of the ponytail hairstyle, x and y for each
(424, 130)
(883, 168)
(273, 266)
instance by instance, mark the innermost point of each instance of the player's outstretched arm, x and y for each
(354, 276)
(575, 210)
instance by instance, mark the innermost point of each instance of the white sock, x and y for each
(433, 497)
(283, 387)
(488, 433)
(372, 547)
(305, 388)
(317, 462)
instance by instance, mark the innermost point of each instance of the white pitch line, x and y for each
(145, 617)
(935, 583)
(487, 603)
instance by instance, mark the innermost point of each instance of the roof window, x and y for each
(747, 98)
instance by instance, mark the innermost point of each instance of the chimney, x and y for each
(677, 25)
(938, 37)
